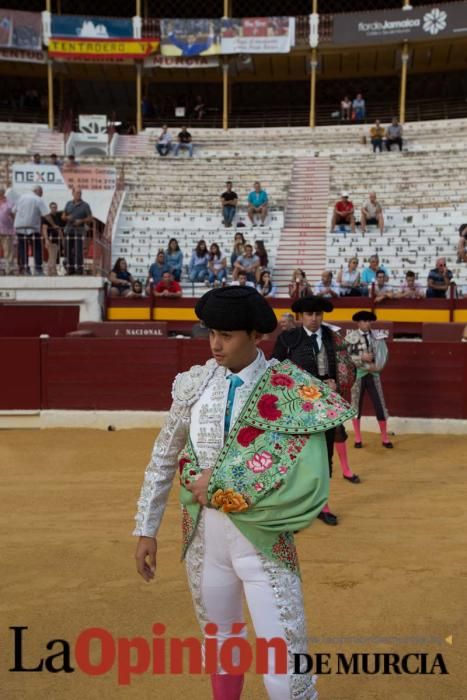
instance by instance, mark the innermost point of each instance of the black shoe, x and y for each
(354, 479)
(328, 518)
(358, 445)
(388, 445)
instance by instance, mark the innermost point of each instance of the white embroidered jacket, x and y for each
(198, 410)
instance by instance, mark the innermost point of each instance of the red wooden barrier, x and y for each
(20, 380)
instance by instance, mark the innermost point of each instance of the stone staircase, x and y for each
(303, 240)
(47, 141)
(128, 146)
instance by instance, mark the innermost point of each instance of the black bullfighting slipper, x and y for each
(354, 479)
(388, 445)
(328, 518)
(358, 445)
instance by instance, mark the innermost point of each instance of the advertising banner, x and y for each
(89, 178)
(190, 37)
(25, 176)
(21, 30)
(158, 61)
(76, 27)
(390, 26)
(22, 55)
(102, 48)
(258, 35)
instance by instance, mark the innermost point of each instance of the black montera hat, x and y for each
(312, 303)
(364, 316)
(236, 309)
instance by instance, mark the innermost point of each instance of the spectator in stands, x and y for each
(326, 287)
(174, 259)
(257, 204)
(265, 286)
(217, 265)
(238, 247)
(242, 281)
(164, 142)
(229, 201)
(199, 110)
(198, 268)
(28, 210)
(136, 290)
(349, 280)
(36, 159)
(346, 109)
(185, 142)
(287, 322)
(299, 286)
(77, 215)
(394, 134)
(382, 291)
(343, 213)
(376, 136)
(121, 280)
(439, 280)
(261, 252)
(156, 270)
(410, 289)
(7, 232)
(248, 263)
(168, 287)
(368, 275)
(54, 160)
(71, 163)
(359, 108)
(372, 214)
(52, 237)
(462, 244)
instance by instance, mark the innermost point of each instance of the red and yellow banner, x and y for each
(102, 48)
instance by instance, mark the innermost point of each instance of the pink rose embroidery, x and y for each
(307, 406)
(332, 414)
(258, 486)
(282, 380)
(283, 470)
(260, 462)
(248, 435)
(267, 407)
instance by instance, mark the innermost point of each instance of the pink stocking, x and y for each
(226, 686)
(356, 429)
(383, 426)
(341, 449)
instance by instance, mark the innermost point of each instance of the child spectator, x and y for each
(217, 265)
(382, 290)
(265, 286)
(174, 259)
(120, 279)
(238, 247)
(349, 280)
(411, 289)
(299, 286)
(136, 290)
(198, 268)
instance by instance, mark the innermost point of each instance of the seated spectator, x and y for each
(287, 322)
(394, 134)
(242, 281)
(257, 204)
(156, 271)
(7, 232)
(229, 202)
(53, 237)
(265, 286)
(462, 244)
(168, 287)
(217, 265)
(376, 136)
(199, 110)
(368, 275)
(372, 214)
(247, 263)
(164, 142)
(439, 279)
(36, 159)
(299, 286)
(346, 109)
(54, 160)
(359, 108)
(120, 279)
(198, 268)
(327, 287)
(410, 289)
(349, 280)
(71, 163)
(136, 290)
(238, 247)
(184, 141)
(344, 213)
(174, 259)
(382, 291)
(261, 252)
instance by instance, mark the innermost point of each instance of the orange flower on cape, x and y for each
(229, 501)
(309, 392)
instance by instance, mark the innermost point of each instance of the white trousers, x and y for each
(222, 566)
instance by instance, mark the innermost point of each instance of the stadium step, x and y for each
(47, 141)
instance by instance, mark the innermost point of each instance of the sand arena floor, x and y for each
(396, 566)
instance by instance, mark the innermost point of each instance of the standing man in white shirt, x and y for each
(29, 211)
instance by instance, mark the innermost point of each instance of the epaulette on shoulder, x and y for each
(380, 334)
(352, 337)
(188, 386)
